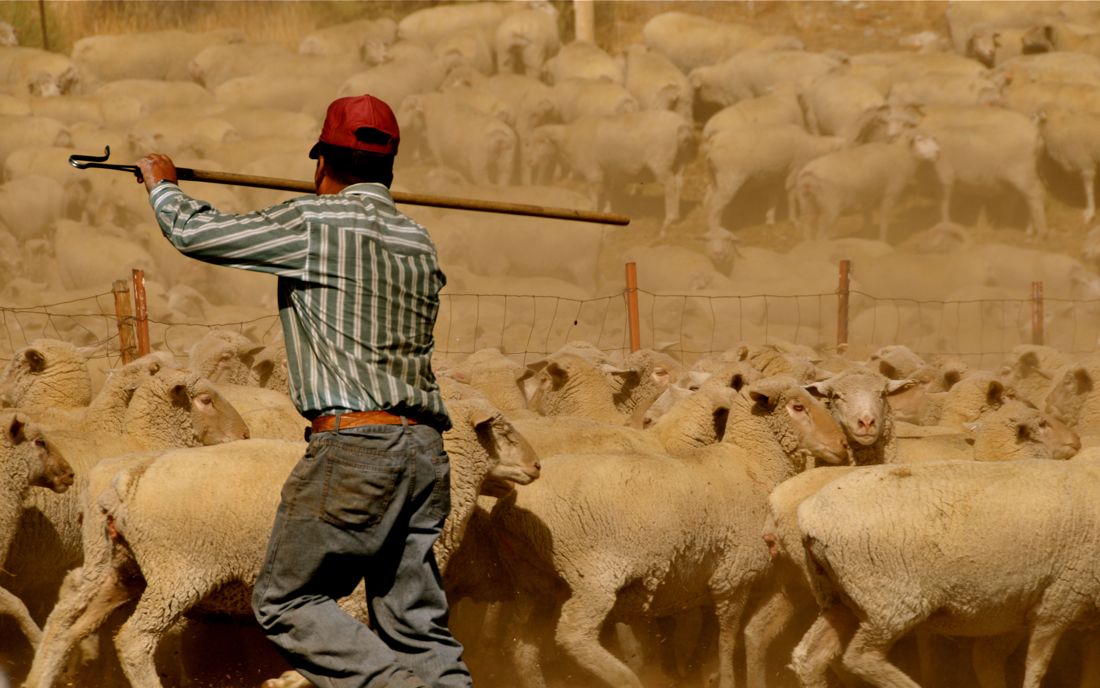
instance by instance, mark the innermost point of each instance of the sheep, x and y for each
(224, 356)
(496, 376)
(790, 583)
(526, 39)
(270, 368)
(857, 399)
(582, 60)
(947, 546)
(736, 156)
(867, 175)
(567, 384)
(150, 55)
(171, 409)
(1056, 66)
(837, 105)
(691, 41)
(38, 72)
(29, 460)
(1071, 141)
(531, 100)
(349, 37)
(1031, 97)
(464, 50)
(181, 551)
(656, 82)
(48, 373)
(578, 98)
(479, 146)
(694, 555)
(602, 150)
(1073, 398)
(753, 73)
(779, 106)
(1029, 370)
(944, 89)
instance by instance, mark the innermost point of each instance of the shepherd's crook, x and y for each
(82, 162)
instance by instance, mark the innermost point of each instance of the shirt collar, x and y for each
(374, 190)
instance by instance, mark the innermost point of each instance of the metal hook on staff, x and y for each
(82, 162)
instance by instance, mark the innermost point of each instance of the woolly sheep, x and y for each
(692, 41)
(1072, 140)
(526, 39)
(29, 459)
(656, 82)
(578, 98)
(779, 106)
(754, 73)
(954, 556)
(672, 555)
(569, 385)
(480, 146)
(182, 551)
(48, 373)
(496, 376)
(857, 399)
(602, 151)
(171, 409)
(582, 60)
(349, 37)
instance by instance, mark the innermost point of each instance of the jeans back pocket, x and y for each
(359, 486)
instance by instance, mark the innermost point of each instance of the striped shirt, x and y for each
(358, 286)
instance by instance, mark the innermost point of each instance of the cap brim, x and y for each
(315, 152)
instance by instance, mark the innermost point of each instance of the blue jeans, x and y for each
(364, 502)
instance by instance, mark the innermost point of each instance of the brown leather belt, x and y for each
(355, 418)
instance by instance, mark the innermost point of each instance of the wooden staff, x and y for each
(187, 174)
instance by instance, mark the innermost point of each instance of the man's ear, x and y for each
(319, 172)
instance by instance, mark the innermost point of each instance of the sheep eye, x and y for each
(39, 442)
(798, 408)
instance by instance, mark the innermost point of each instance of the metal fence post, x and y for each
(1037, 313)
(842, 293)
(141, 310)
(125, 318)
(632, 306)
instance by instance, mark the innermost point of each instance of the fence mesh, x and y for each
(981, 331)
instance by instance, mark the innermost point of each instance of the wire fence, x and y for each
(982, 332)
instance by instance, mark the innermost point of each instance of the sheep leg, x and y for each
(1032, 192)
(989, 656)
(729, 610)
(80, 611)
(947, 187)
(718, 196)
(1090, 661)
(886, 212)
(13, 606)
(761, 630)
(821, 645)
(1088, 178)
(526, 655)
(674, 184)
(137, 640)
(1045, 633)
(866, 658)
(578, 633)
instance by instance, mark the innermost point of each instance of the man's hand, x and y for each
(155, 168)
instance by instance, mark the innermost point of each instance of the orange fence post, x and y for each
(1037, 313)
(842, 303)
(141, 311)
(632, 306)
(125, 318)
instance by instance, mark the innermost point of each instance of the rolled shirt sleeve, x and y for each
(274, 240)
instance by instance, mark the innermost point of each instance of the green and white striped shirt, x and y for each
(358, 292)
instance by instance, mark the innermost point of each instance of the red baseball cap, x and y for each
(361, 123)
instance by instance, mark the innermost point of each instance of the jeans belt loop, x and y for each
(337, 415)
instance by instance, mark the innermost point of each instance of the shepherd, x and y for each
(358, 291)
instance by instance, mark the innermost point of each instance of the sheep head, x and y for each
(224, 356)
(800, 422)
(858, 399)
(31, 460)
(1068, 395)
(47, 373)
(181, 409)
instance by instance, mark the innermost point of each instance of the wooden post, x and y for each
(842, 304)
(125, 318)
(42, 19)
(632, 306)
(141, 310)
(1037, 313)
(584, 20)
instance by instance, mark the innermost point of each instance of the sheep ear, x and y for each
(896, 386)
(951, 378)
(763, 399)
(556, 375)
(720, 418)
(254, 351)
(1083, 380)
(888, 370)
(1023, 432)
(482, 416)
(264, 369)
(180, 396)
(36, 361)
(995, 394)
(737, 382)
(17, 430)
(661, 375)
(821, 389)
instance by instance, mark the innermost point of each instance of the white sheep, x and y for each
(29, 459)
(755, 72)
(182, 551)
(870, 175)
(577, 98)
(567, 384)
(1071, 141)
(526, 39)
(1031, 97)
(480, 146)
(676, 556)
(31, 71)
(349, 37)
(692, 41)
(945, 89)
(48, 373)
(582, 60)
(767, 153)
(656, 82)
(779, 106)
(603, 151)
(837, 104)
(938, 544)
(857, 398)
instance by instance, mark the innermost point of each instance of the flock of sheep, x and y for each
(770, 515)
